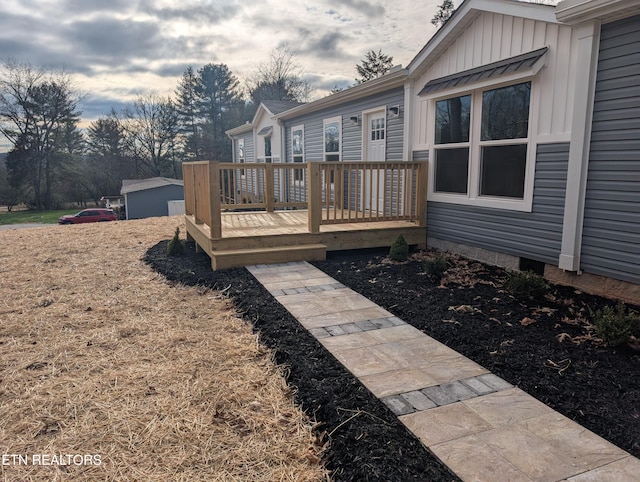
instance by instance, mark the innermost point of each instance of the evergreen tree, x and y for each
(445, 10)
(107, 163)
(217, 99)
(373, 66)
(187, 108)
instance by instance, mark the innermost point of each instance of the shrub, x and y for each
(525, 284)
(175, 247)
(614, 325)
(436, 267)
(399, 249)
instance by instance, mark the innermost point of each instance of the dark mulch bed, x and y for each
(545, 347)
(366, 441)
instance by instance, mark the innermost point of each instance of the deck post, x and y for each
(269, 187)
(188, 188)
(338, 186)
(315, 197)
(421, 193)
(215, 224)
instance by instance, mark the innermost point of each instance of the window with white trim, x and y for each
(377, 129)
(332, 129)
(267, 148)
(241, 154)
(481, 144)
(297, 150)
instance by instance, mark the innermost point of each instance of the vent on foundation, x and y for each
(527, 264)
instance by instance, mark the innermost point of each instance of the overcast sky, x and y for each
(119, 49)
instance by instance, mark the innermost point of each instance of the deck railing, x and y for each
(333, 192)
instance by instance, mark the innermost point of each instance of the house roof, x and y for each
(394, 78)
(134, 185)
(502, 67)
(269, 107)
(278, 106)
(576, 11)
(241, 129)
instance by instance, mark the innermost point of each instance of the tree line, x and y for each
(52, 162)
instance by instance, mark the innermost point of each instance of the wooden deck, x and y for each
(265, 235)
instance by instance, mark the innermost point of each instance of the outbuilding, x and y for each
(146, 198)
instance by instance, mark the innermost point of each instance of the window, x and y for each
(452, 133)
(377, 129)
(481, 144)
(332, 135)
(241, 154)
(505, 117)
(297, 150)
(267, 148)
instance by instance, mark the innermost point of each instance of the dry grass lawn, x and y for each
(107, 372)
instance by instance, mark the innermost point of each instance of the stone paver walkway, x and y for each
(480, 426)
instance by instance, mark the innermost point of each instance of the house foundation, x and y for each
(587, 282)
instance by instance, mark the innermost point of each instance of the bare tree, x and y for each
(280, 78)
(150, 126)
(38, 112)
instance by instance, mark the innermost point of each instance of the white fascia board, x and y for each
(466, 13)
(374, 86)
(577, 11)
(243, 129)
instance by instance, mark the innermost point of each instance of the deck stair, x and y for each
(236, 258)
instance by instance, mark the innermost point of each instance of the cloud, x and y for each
(325, 46)
(199, 13)
(93, 6)
(118, 49)
(109, 38)
(369, 9)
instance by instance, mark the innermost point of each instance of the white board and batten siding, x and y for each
(611, 230)
(492, 37)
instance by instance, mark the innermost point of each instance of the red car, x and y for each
(88, 216)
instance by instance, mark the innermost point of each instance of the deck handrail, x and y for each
(332, 192)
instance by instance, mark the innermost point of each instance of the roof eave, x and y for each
(243, 129)
(374, 86)
(577, 11)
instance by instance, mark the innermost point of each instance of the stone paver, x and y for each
(396, 382)
(478, 424)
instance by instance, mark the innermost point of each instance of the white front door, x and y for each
(376, 144)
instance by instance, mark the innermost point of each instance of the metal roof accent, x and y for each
(266, 131)
(495, 69)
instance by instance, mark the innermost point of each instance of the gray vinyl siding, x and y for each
(536, 235)
(152, 202)
(611, 230)
(249, 182)
(249, 147)
(420, 155)
(351, 134)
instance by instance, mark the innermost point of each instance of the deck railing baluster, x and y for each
(333, 192)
